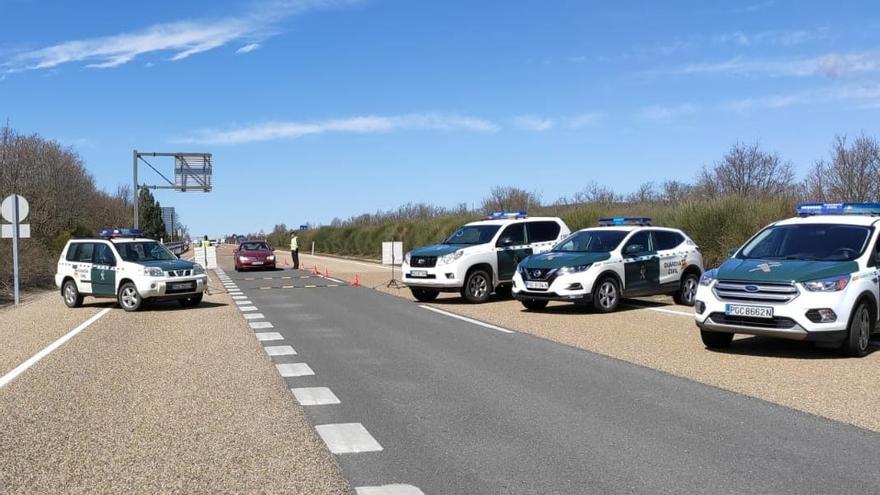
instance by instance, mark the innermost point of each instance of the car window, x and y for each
(72, 251)
(667, 239)
(144, 251)
(543, 231)
(103, 255)
(473, 234)
(591, 241)
(639, 243)
(84, 253)
(809, 241)
(516, 233)
(254, 246)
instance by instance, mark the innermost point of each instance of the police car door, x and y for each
(672, 261)
(82, 266)
(103, 270)
(641, 265)
(511, 248)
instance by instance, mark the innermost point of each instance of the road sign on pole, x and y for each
(15, 209)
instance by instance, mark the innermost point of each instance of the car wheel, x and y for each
(191, 302)
(687, 291)
(129, 298)
(534, 304)
(861, 326)
(477, 287)
(70, 294)
(716, 340)
(606, 295)
(424, 295)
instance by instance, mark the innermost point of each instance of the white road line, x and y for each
(288, 370)
(660, 310)
(315, 396)
(253, 316)
(268, 336)
(348, 438)
(260, 325)
(243, 302)
(333, 280)
(21, 368)
(279, 350)
(235, 293)
(239, 298)
(388, 490)
(247, 308)
(465, 318)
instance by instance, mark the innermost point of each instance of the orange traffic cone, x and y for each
(315, 270)
(356, 282)
(326, 272)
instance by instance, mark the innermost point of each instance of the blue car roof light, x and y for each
(504, 215)
(618, 221)
(810, 209)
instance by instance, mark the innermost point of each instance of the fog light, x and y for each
(699, 307)
(823, 315)
(152, 286)
(575, 287)
(450, 276)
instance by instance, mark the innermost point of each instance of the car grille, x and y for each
(538, 274)
(179, 273)
(747, 321)
(755, 292)
(423, 261)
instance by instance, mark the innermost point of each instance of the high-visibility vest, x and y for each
(206, 243)
(294, 243)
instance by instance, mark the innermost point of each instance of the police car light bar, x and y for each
(108, 233)
(500, 215)
(608, 222)
(809, 209)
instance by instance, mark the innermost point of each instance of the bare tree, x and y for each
(850, 175)
(675, 191)
(646, 193)
(510, 199)
(747, 170)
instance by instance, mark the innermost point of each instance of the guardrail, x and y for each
(178, 247)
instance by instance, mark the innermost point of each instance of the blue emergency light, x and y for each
(609, 222)
(109, 233)
(810, 209)
(501, 215)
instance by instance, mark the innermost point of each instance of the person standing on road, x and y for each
(206, 243)
(294, 249)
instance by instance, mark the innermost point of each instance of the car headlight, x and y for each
(198, 269)
(707, 278)
(243, 258)
(407, 257)
(830, 284)
(568, 270)
(153, 271)
(270, 258)
(450, 258)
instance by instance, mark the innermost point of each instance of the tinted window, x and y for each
(254, 246)
(71, 252)
(542, 231)
(664, 239)
(639, 243)
(809, 241)
(144, 251)
(591, 241)
(473, 234)
(84, 252)
(103, 255)
(516, 233)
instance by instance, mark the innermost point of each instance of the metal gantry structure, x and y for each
(192, 173)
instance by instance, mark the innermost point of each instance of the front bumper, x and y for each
(789, 320)
(163, 287)
(443, 277)
(255, 263)
(560, 289)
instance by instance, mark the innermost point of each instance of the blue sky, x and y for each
(316, 109)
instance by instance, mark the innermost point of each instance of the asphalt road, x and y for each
(461, 408)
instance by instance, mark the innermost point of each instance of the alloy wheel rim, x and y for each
(864, 329)
(68, 294)
(478, 286)
(129, 297)
(690, 290)
(607, 295)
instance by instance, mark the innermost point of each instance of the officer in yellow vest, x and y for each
(294, 249)
(206, 243)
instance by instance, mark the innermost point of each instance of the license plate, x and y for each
(418, 273)
(256, 262)
(187, 285)
(537, 285)
(749, 311)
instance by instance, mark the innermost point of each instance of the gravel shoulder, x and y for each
(793, 374)
(165, 400)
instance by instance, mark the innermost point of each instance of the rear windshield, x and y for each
(254, 246)
(144, 251)
(473, 234)
(809, 242)
(591, 241)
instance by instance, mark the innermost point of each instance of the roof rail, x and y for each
(608, 222)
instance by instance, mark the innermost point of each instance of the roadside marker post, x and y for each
(15, 209)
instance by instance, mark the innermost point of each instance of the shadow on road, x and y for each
(785, 349)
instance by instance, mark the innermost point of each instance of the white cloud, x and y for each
(785, 38)
(369, 124)
(182, 39)
(248, 48)
(667, 113)
(830, 64)
(533, 123)
(863, 96)
(583, 120)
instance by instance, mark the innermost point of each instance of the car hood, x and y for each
(759, 270)
(556, 259)
(438, 249)
(169, 264)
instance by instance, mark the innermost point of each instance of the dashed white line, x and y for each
(238, 298)
(397, 489)
(348, 438)
(243, 302)
(279, 350)
(288, 370)
(21, 368)
(260, 325)
(660, 310)
(315, 396)
(465, 318)
(247, 308)
(333, 280)
(268, 336)
(253, 316)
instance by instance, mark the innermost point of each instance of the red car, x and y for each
(254, 254)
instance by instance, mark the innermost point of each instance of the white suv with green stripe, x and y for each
(132, 270)
(815, 277)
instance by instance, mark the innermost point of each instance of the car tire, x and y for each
(534, 304)
(687, 290)
(477, 287)
(70, 294)
(192, 301)
(424, 295)
(716, 340)
(606, 295)
(129, 298)
(858, 337)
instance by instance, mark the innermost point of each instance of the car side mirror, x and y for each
(507, 241)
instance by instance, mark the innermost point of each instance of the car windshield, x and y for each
(254, 246)
(591, 241)
(473, 234)
(139, 251)
(809, 242)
